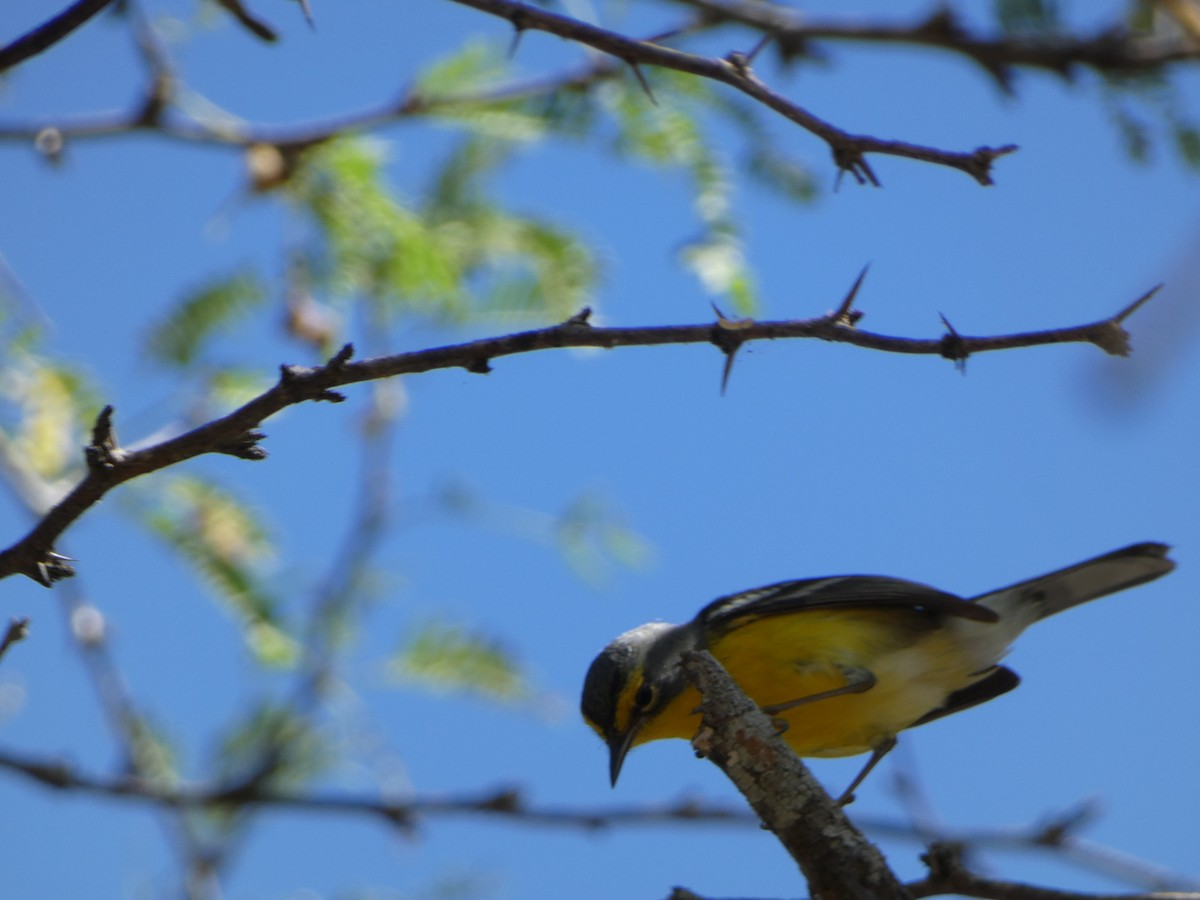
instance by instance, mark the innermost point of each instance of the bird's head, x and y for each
(634, 688)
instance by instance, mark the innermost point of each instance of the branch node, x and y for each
(739, 62)
(979, 166)
(953, 346)
(50, 568)
(851, 159)
(480, 365)
(727, 337)
(103, 453)
(505, 801)
(245, 446)
(339, 360)
(17, 631)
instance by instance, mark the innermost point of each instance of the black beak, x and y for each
(618, 746)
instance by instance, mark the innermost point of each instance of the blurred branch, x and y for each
(948, 875)
(49, 33)
(17, 631)
(510, 804)
(149, 112)
(849, 150)
(1111, 51)
(236, 434)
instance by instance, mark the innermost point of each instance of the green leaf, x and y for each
(371, 245)
(449, 657)
(179, 338)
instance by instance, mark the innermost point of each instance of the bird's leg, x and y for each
(877, 754)
(857, 680)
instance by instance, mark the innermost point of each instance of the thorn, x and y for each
(103, 452)
(18, 630)
(846, 314)
(518, 32)
(341, 357)
(1137, 304)
(245, 446)
(50, 568)
(953, 346)
(637, 70)
(725, 373)
(580, 319)
(728, 341)
(759, 47)
(308, 16)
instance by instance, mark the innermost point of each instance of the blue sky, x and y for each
(820, 459)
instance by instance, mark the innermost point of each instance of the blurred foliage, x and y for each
(1027, 17)
(272, 746)
(590, 534)
(44, 404)
(450, 657)
(227, 546)
(179, 336)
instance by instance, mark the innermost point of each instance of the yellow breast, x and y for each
(778, 659)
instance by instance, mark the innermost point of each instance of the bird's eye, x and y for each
(644, 696)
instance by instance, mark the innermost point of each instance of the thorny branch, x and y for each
(1112, 51)
(236, 434)
(849, 150)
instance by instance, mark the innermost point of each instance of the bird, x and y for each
(842, 663)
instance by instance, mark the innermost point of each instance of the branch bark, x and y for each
(849, 150)
(49, 33)
(1112, 51)
(236, 434)
(838, 862)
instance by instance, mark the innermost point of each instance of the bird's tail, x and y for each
(1037, 598)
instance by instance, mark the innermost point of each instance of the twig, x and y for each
(49, 33)
(33, 555)
(948, 875)
(1111, 51)
(17, 631)
(849, 150)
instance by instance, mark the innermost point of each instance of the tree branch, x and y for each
(17, 631)
(849, 150)
(837, 861)
(236, 434)
(508, 803)
(49, 33)
(948, 875)
(1112, 51)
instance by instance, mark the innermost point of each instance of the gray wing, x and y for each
(840, 591)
